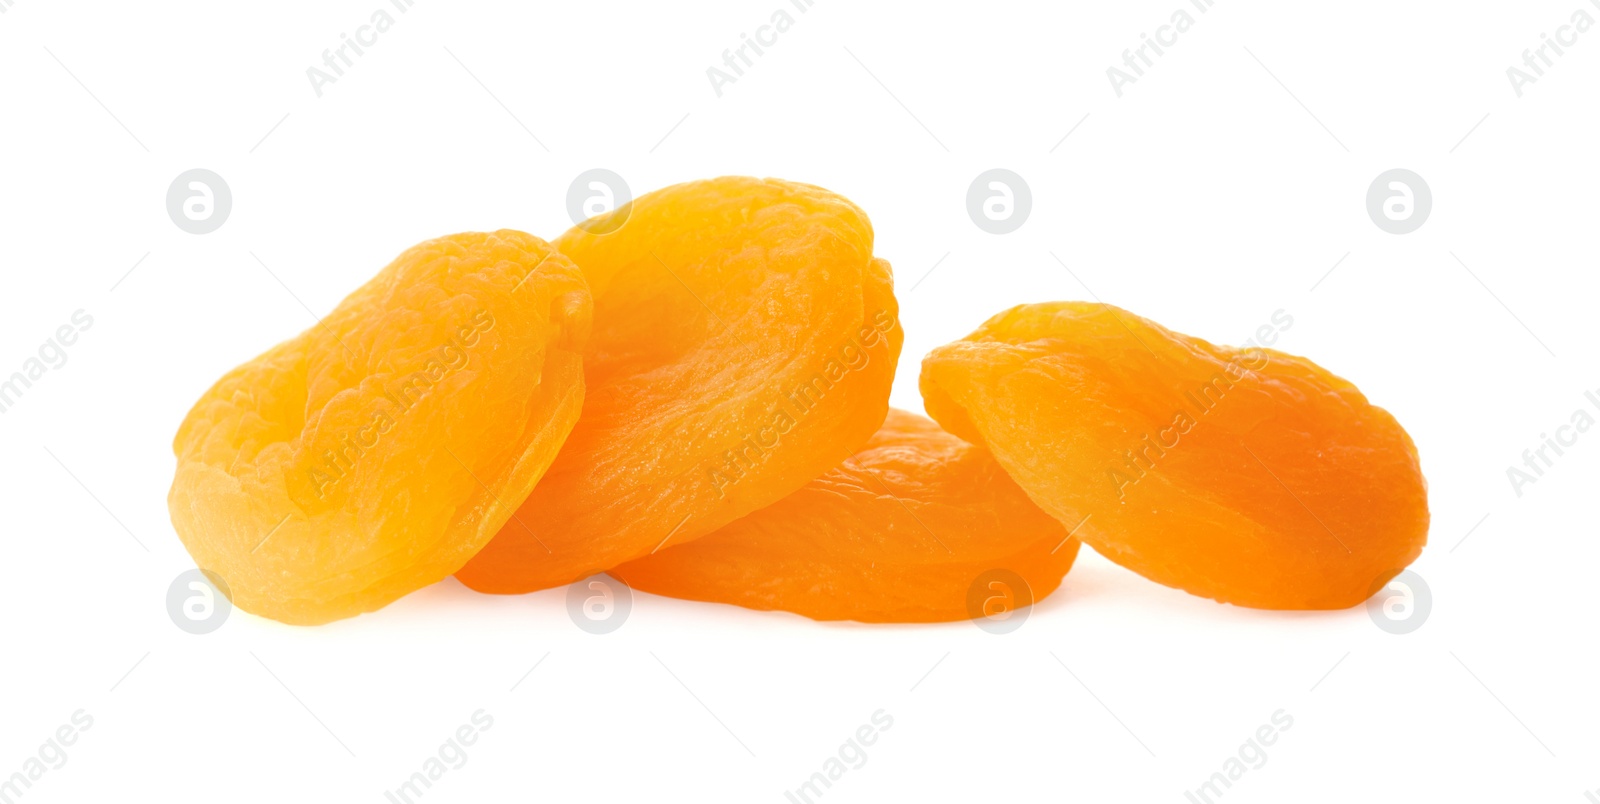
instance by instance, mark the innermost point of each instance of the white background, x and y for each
(1206, 198)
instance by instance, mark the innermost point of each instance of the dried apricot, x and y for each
(377, 451)
(744, 339)
(1248, 476)
(899, 532)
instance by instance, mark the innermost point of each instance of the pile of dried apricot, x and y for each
(691, 393)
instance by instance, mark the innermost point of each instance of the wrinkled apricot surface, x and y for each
(380, 449)
(1248, 476)
(744, 341)
(899, 532)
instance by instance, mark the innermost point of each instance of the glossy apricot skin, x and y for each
(744, 341)
(899, 532)
(1248, 476)
(380, 449)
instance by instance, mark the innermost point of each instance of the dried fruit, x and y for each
(377, 451)
(1249, 476)
(744, 339)
(898, 532)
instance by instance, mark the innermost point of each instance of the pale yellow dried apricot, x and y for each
(380, 449)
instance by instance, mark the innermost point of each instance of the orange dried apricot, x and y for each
(899, 532)
(380, 449)
(744, 339)
(1248, 476)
